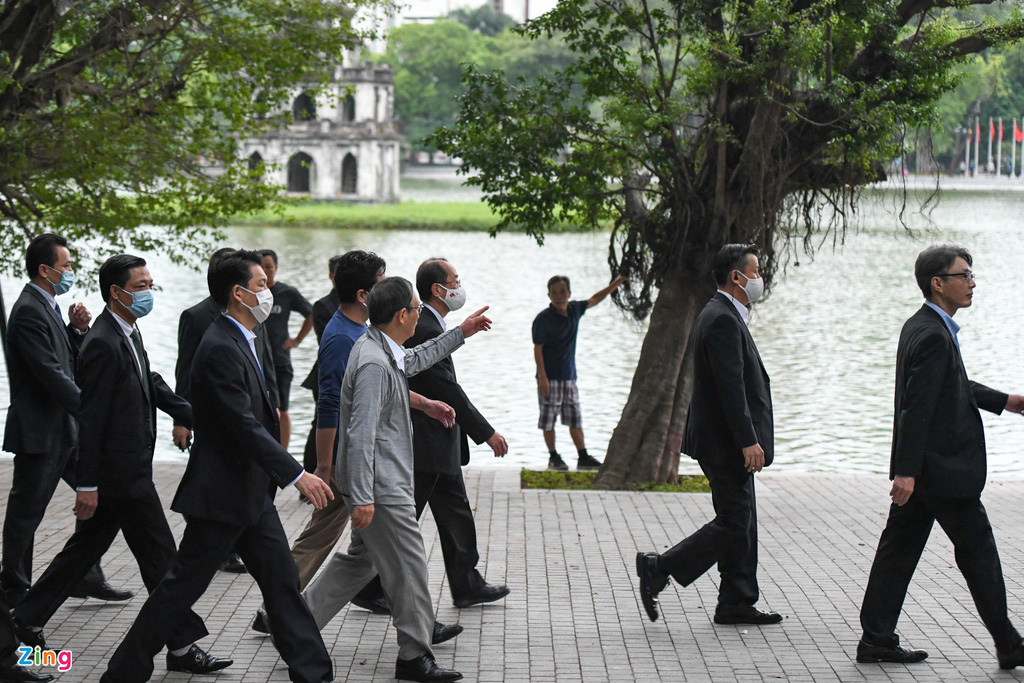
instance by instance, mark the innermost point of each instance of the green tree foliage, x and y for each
(689, 124)
(484, 19)
(114, 112)
(429, 59)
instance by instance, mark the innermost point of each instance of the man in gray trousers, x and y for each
(374, 472)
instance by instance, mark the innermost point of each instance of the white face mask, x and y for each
(264, 304)
(753, 289)
(454, 299)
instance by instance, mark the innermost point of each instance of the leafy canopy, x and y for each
(116, 114)
(688, 124)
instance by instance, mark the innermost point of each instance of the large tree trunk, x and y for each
(645, 445)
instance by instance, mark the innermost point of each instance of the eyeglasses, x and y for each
(418, 309)
(967, 275)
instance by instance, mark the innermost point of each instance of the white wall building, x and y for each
(342, 146)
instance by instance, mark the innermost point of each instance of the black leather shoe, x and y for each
(17, 674)
(744, 614)
(100, 590)
(652, 582)
(377, 605)
(1010, 660)
(872, 654)
(487, 593)
(443, 634)
(424, 668)
(27, 635)
(195, 661)
(233, 565)
(260, 623)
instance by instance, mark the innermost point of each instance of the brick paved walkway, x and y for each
(574, 613)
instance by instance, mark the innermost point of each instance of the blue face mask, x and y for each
(142, 302)
(66, 282)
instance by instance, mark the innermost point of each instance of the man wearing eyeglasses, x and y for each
(938, 468)
(374, 472)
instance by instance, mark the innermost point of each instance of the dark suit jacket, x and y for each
(192, 326)
(323, 310)
(937, 434)
(731, 406)
(435, 447)
(117, 425)
(236, 458)
(41, 355)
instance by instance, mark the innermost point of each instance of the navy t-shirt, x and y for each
(286, 300)
(340, 335)
(557, 335)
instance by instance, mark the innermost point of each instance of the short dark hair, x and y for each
(388, 297)
(559, 278)
(217, 256)
(356, 270)
(937, 260)
(332, 263)
(228, 271)
(264, 253)
(428, 274)
(116, 271)
(42, 251)
(729, 258)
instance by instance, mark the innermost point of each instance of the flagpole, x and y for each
(999, 150)
(977, 144)
(991, 134)
(967, 149)
(1013, 152)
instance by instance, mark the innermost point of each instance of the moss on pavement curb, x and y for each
(584, 481)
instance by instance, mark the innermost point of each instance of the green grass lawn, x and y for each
(584, 481)
(404, 215)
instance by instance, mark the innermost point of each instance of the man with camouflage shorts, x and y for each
(554, 348)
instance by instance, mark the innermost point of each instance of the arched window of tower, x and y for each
(349, 175)
(300, 172)
(304, 108)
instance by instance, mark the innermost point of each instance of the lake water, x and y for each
(827, 334)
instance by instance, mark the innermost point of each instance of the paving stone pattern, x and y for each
(574, 613)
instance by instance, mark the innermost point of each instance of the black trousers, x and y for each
(35, 479)
(730, 539)
(265, 551)
(141, 519)
(449, 503)
(8, 641)
(899, 549)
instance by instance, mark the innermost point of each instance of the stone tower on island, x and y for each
(342, 145)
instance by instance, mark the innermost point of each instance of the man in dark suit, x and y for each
(938, 468)
(41, 430)
(323, 310)
(440, 452)
(192, 325)
(729, 430)
(226, 494)
(117, 433)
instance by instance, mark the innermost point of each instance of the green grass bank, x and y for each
(407, 215)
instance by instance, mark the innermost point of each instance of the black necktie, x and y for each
(56, 307)
(143, 363)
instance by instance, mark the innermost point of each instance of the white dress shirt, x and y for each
(397, 351)
(444, 327)
(251, 339)
(744, 311)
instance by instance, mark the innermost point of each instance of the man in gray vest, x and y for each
(374, 472)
